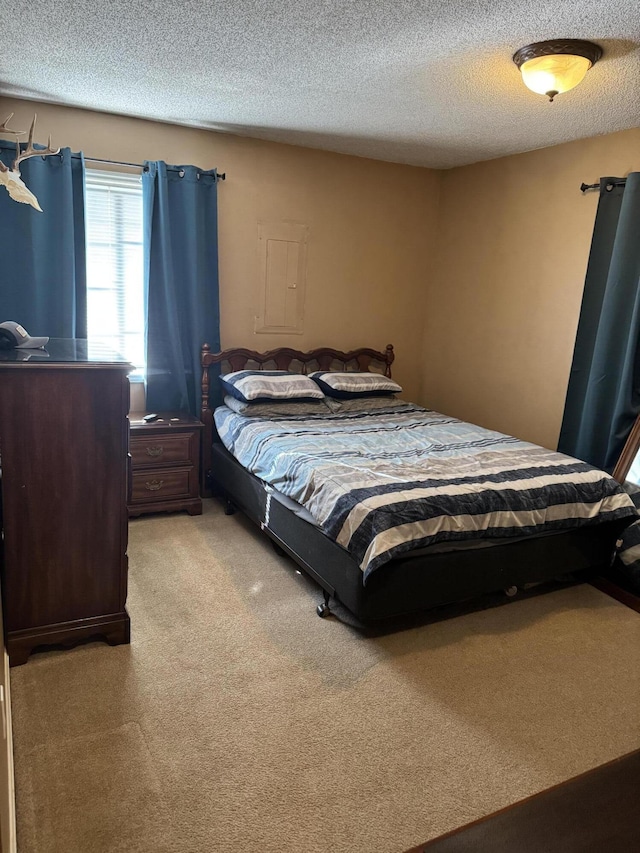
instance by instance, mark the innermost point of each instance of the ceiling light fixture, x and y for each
(552, 67)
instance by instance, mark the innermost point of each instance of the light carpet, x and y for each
(238, 721)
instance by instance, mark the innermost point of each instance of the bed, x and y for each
(406, 579)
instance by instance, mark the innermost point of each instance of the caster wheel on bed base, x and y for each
(279, 551)
(323, 609)
(511, 591)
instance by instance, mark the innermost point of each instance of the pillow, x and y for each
(276, 408)
(345, 386)
(256, 385)
(372, 405)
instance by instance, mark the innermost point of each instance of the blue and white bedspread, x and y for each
(629, 543)
(384, 483)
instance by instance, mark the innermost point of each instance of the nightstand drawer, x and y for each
(152, 450)
(162, 485)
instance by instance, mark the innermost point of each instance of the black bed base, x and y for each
(412, 584)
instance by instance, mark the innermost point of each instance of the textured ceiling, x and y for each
(429, 83)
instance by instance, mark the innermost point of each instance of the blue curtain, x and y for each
(603, 397)
(43, 268)
(181, 278)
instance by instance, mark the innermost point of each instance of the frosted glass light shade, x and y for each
(552, 67)
(552, 75)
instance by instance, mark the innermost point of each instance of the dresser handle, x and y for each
(155, 451)
(154, 485)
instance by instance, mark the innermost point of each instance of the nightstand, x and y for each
(165, 464)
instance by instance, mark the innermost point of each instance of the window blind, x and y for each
(115, 280)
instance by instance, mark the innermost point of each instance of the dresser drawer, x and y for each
(150, 450)
(161, 485)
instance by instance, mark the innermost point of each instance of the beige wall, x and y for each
(514, 237)
(474, 274)
(371, 224)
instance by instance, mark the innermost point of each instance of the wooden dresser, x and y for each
(165, 463)
(63, 442)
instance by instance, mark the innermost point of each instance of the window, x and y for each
(115, 279)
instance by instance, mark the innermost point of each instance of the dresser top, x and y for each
(65, 351)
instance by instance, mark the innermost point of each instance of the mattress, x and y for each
(438, 548)
(383, 483)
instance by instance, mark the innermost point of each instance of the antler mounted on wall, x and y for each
(10, 177)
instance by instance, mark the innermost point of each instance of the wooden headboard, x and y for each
(284, 358)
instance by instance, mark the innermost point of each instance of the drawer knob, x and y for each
(156, 450)
(154, 485)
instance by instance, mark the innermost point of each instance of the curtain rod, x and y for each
(585, 187)
(221, 177)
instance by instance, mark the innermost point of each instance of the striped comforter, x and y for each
(384, 483)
